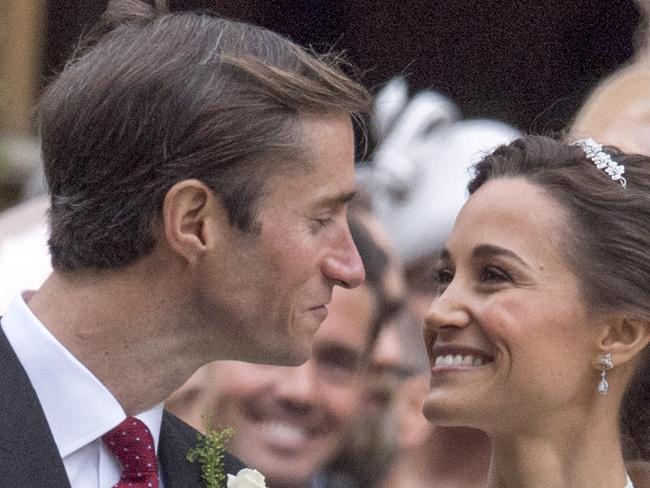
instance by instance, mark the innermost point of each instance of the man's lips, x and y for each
(320, 310)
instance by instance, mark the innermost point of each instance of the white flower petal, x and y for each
(246, 478)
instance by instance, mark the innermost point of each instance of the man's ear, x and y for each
(189, 212)
(624, 338)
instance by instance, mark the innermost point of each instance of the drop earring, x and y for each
(605, 363)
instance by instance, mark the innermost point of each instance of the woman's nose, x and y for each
(448, 309)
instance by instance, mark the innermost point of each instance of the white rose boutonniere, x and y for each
(246, 478)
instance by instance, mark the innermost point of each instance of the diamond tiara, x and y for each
(602, 160)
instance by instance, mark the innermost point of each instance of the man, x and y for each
(289, 422)
(199, 171)
(369, 445)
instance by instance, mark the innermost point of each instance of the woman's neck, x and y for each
(583, 455)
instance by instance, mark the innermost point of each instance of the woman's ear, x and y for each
(623, 338)
(188, 213)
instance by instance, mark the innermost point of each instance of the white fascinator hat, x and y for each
(419, 172)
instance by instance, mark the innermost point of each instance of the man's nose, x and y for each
(344, 265)
(298, 391)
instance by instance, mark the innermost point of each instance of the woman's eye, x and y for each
(491, 274)
(443, 277)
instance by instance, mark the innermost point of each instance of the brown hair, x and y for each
(157, 97)
(607, 242)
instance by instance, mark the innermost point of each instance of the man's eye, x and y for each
(323, 222)
(337, 363)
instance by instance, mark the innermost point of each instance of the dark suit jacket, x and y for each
(29, 457)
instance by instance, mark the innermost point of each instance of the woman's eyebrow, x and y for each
(484, 251)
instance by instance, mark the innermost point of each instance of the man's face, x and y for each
(288, 422)
(270, 289)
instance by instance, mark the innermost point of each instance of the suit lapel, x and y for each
(28, 453)
(174, 443)
(176, 438)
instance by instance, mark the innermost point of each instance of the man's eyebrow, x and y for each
(484, 251)
(338, 199)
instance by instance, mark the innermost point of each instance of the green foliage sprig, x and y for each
(209, 451)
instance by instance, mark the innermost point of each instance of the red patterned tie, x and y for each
(132, 443)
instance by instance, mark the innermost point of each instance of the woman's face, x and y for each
(510, 311)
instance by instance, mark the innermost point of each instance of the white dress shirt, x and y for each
(78, 407)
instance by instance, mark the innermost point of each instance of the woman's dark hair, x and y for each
(607, 242)
(155, 97)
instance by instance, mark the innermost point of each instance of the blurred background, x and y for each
(529, 63)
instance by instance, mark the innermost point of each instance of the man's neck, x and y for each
(122, 327)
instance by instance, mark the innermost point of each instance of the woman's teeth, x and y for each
(458, 360)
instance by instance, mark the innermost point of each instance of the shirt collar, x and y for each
(78, 407)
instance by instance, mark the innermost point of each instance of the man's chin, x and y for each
(296, 358)
(287, 478)
(300, 357)
(291, 467)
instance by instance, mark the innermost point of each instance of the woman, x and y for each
(539, 331)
